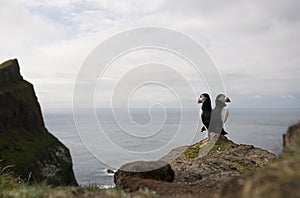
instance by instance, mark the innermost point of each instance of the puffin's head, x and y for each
(203, 97)
(222, 98)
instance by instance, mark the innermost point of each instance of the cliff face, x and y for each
(25, 143)
(18, 103)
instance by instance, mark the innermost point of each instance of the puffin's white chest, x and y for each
(200, 112)
(224, 114)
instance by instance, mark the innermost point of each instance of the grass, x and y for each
(20, 149)
(14, 187)
(92, 187)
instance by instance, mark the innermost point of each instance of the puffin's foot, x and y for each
(210, 136)
(213, 135)
(206, 140)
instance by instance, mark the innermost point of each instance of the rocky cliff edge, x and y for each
(25, 144)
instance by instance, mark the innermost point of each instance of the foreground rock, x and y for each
(280, 179)
(202, 168)
(25, 143)
(130, 175)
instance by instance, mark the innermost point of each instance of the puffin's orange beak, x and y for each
(199, 100)
(228, 99)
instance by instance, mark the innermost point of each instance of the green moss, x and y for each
(192, 151)
(222, 145)
(207, 147)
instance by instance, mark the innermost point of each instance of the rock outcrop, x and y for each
(225, 159)
(291, 140)
(35, 154)
(198, 173)
(279, 179)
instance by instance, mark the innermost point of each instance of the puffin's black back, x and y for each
(206, 110)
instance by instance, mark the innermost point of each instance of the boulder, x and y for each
(35, 154)
(129, 175)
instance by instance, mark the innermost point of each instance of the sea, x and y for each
(148, 135)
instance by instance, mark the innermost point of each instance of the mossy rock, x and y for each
(205, 147)
(217, 159)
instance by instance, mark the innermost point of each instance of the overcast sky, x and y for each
(255, 44)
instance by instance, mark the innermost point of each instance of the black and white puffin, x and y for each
(205, 110)
(219, 115)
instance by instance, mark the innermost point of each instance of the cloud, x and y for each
(255, 44)
(20, 29)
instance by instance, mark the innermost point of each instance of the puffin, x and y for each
(205, 110)
(219, 115)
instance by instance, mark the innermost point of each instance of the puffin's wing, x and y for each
(225, 114)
